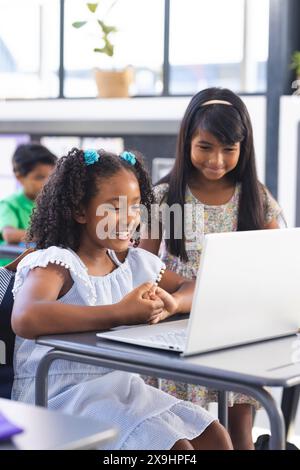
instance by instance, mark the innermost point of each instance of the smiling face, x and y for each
(113, 213)
(212, 159)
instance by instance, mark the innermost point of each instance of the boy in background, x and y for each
(32, 165)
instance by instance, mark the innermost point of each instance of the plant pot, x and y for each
(112, 83)
(296, 86)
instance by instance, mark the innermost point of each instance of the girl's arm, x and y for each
(36, 311)
(182, 290)
(13, 235)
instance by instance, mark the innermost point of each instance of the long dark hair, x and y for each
(229, 124)
(71, 187)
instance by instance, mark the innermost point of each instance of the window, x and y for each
(8, 144)
(29, 48)
(218, 43)
(61, 145)
(211, 43)
(138, 43)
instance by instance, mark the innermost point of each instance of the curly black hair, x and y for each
(70, 187)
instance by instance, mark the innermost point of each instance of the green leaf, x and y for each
(108, 49)
(107, 29)
(92, 7)
(79, 24)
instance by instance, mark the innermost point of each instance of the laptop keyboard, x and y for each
(172, 340)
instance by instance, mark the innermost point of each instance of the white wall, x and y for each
(257, 107)
(156, 116)
(289, 119)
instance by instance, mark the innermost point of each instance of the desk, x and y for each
(11, 251)
(246, 369)
(44, 429)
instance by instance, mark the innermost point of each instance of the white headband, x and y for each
(216, 102)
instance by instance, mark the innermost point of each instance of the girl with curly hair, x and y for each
(78, 280)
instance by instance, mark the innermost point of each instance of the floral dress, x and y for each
(203, 219)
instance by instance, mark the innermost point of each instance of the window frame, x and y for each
(166, 63)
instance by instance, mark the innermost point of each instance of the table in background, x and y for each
(45, 429)
(11, 251)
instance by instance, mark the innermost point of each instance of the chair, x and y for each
(7, 335)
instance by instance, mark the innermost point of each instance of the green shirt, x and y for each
(15, 211)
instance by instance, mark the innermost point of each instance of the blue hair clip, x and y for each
(91, 156)
(128, 157)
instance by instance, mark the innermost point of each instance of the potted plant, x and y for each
(110, 83)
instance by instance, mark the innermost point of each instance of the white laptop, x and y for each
(247, 290)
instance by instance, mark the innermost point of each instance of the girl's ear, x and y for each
(80, 216)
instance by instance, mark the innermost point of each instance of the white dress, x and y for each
(147, 418)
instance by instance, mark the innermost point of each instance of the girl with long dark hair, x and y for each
(214, 182)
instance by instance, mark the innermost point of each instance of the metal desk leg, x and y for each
(289, 404)
(223, 408)
(41, 378)
(277, 425)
